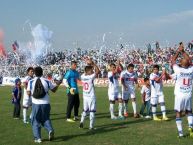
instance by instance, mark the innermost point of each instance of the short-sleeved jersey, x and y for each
(26, 80)
(88, 85)
(129, 78)
(47, 86)
(147, 92)
(183, 77)
(72, 76)
(156, 87)
(113, 85)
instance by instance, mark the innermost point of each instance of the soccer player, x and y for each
(113, 90)
(183, 89)
(89, 98)
(157, 96)
(146, 95)
(70, 81)
(26, 98)
(128, 81)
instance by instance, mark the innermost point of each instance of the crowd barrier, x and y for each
(99, 82)
(8, 81)
(103, 82)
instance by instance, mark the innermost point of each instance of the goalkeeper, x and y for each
(70, 81)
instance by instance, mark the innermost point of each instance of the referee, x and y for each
(70, 81)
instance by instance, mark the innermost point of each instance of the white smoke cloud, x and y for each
(42, 39)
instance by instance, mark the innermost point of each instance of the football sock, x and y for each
(112, 110)
(134, 107)
(154, 111)
(190, 120)
(120, 109)
(92, 119)
(83, 116)
(163, 109)
(179, 125)
(24, 114)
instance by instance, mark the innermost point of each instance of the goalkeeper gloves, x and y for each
(72, 90)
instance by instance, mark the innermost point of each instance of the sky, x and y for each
(91, 23)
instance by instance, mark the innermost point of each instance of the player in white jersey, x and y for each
(89, 98)
(183, 89)
(27, 102)
(113, 90)
(128, 81)
(157, 96)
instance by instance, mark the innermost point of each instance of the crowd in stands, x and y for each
(58, 62)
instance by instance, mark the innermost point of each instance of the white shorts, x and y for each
(183, 103)
(113, 95)
(27, 102)
(126, 95)
(157, 99)
(89, 104)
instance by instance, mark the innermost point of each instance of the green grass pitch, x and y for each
(109, 132)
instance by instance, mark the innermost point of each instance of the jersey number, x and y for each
(85, 86)
(186, 82)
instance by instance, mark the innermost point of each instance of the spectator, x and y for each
(16, 98)
(41, 105)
